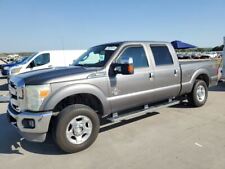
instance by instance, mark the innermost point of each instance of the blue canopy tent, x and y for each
(181, 45)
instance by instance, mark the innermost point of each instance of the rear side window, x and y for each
(137, 54)
(161, 55)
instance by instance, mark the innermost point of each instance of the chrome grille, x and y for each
(13, 95)
(12, 84)
(15, 91)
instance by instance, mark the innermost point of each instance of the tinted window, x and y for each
(161, 55)
(137, 54)
(42, 59)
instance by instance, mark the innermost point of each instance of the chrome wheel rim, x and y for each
(201, 93)
(79, 129)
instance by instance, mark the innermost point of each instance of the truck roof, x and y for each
(132, 42)
(53, 51)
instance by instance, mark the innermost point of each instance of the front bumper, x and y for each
(41, 124)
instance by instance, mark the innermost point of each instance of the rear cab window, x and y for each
(162, 55)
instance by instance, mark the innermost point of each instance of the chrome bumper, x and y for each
(41, 124)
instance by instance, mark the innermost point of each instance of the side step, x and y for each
(117, 117)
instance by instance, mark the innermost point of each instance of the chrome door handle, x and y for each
(151, 75)
(175, 72)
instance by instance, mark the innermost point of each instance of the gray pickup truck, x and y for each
(104, 82)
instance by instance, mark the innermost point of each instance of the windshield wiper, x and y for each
(79, 65)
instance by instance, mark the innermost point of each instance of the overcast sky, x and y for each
(34, 25)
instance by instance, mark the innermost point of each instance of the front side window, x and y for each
(161, 55)
(41, 60)
(137, 54)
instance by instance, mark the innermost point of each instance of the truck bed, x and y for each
(189, 67)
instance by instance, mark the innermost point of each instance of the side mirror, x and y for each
(124, 68)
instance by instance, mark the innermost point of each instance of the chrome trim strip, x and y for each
(14, 102)
(12, 90)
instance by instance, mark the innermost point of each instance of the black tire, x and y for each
(63, 120)
(193, 98)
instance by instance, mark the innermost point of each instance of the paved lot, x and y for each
(178, 137)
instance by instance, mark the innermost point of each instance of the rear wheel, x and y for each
(76, 128)
(199, 94)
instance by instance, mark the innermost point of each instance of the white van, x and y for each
(46, 59)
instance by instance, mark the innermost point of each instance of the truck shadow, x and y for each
(9, 138)
(182, 105)
(12, 143)
(108, 125)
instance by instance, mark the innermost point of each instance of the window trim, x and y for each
(130, 46)
(161, 45)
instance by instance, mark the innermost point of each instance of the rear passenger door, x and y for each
(166, 73)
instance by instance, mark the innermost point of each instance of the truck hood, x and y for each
(52, 75)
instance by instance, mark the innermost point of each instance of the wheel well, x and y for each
(204, 77)
(84, 98)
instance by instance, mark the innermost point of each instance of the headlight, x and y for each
(15, 70)
(35, 95)
(6, 68)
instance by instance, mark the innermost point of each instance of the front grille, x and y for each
(16, 90)
(15, 107)
(13, 94)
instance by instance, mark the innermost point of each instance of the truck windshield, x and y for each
(96, 56)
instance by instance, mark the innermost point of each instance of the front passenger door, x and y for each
(129, 91)
(40, 62)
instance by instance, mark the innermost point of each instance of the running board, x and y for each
(116, 117)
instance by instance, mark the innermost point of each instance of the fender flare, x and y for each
(198, 73)
(73, 89)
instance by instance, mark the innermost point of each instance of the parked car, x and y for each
(211, 54)
(46, 59)
(5, 68)
(104, 82)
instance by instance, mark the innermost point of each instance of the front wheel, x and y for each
(76, 128)
(199, 94)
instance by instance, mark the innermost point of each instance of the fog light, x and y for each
(28, 123)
